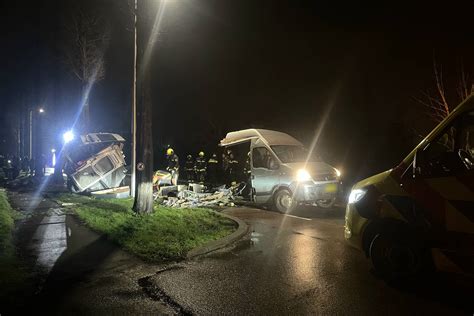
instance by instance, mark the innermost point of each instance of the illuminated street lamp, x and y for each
(30, 127)
(68, 136)
(53, 162)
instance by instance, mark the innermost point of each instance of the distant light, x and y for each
(338, 173)
(9, 161)
(53, 150)
(41, 110)
(53, 162)
(68, 137)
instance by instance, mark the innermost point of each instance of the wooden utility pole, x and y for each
(144, 142)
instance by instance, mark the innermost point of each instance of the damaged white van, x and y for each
(282, 172)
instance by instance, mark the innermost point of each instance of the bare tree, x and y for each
(86, 41)
(438, 105)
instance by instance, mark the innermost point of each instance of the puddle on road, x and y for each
(59, 251)
(255, 237)
(49, 241)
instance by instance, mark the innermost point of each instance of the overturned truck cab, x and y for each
(95, 162)
(283, 173)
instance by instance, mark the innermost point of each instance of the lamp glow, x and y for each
(338, 173)
(68, 137)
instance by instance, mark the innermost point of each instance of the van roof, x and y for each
(268, 136)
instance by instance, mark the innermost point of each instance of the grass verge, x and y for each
(166, 234)
(12, 276)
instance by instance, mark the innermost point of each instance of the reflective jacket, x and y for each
(201, 164)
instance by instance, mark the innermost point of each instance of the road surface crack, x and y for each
(157, 294)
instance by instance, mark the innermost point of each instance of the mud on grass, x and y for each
(166, 234)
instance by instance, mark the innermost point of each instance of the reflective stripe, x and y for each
(451, 189)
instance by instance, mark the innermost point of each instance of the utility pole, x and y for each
(134, 103)
(144, 142)
(30, 136)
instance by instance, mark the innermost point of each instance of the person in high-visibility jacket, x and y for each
(173, 165)
(225, 164)
(189, 168)
(232, 169)
(201, 167)
(212, 169)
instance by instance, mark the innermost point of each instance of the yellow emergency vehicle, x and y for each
(420, 214)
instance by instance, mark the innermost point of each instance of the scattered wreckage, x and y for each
(191, 199)
(190, 195)
(277, 171)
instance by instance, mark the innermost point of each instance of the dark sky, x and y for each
(226, 65)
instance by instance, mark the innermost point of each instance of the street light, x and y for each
(68, 136)
(53, 162)
(30, 119)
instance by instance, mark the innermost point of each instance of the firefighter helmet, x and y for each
(169, 151)
(201, 154)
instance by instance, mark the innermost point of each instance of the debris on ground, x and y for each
(189, 199)
(161, 177)
(114, 193)
(68, 204)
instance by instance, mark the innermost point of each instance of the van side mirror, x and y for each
(272, 164)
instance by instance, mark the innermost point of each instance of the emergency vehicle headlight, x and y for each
(303, 175)
(356, 195)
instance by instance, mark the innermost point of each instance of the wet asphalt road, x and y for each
(299, 265)
(74, 270)
(296, 264)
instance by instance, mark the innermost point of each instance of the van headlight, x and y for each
(303, 175)
(356, 195)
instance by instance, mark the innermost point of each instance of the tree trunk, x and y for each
(144, 147)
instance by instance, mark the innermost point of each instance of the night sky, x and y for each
(225, 65)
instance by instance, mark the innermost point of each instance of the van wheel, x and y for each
(396, 257)
(326, 203)
(283, 201)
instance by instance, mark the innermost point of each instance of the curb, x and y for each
(223, 242)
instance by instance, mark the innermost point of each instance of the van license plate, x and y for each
(330, 188)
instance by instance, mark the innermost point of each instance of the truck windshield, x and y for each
(292, 153)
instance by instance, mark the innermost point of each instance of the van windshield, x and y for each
(292, 153)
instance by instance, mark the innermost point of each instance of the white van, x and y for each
(283, 173)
